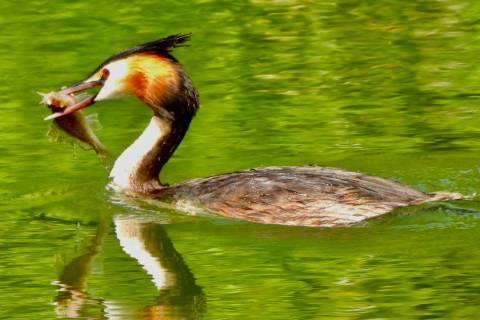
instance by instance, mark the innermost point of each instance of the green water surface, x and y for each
(385, 87)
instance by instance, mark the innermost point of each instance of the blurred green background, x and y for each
(385, 87)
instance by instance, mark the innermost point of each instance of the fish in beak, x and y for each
(64, 105)
(63, 96)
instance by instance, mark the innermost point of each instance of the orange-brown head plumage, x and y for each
(150, 73)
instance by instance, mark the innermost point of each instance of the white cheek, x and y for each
(114, 85)
(110, 91)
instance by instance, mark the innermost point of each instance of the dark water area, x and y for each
(388, 88)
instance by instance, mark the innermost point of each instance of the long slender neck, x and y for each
(174, 101)
(138, 168)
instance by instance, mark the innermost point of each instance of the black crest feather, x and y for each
(161, 47)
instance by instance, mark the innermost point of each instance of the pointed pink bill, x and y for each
(79, 105)
(73, 108)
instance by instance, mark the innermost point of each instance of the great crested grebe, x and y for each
(304, 196)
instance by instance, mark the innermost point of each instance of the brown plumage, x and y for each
(305, 196)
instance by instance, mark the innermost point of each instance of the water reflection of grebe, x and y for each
(179, 296)
(308, 196)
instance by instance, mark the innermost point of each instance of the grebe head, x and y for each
(148, 72)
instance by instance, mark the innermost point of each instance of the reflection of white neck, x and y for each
(129, 233)
(127, 168)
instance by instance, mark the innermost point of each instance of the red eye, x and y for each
(105, 74)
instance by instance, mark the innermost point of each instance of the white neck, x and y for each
(128, 170)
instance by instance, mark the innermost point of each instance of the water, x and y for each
(389, 88)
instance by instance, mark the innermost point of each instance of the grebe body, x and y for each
(302, 196)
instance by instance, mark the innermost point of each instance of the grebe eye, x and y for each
(105, 74)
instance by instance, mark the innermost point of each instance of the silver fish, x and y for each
(74, 124)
